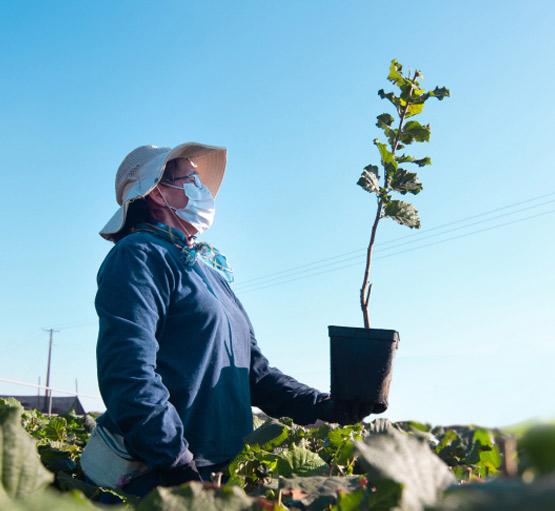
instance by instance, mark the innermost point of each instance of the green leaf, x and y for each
(53, 500)
(414, 109)
(21, 472)
(390, 96)
(384, 120)
(500, 495)
(269, 435)
(388, 160)
(403, 181)
(10, 402)
(403, 213)
(388, 495)
(537, 448)
(370, 179)
(440, 93)
(351, 501)
(421, 162)
(414, 131)
(56, 429)
(405, 84)
(302, 462)
(320, 491)
(57, 460)
(408, 462)
(194, 496)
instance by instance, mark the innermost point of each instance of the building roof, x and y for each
(59, 404)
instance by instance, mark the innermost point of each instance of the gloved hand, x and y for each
(179, 475)
(343, 412)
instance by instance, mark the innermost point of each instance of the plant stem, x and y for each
(366, 288)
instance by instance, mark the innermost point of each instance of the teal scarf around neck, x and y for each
(210, 255)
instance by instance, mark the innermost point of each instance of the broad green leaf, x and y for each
(388, 160)
(21, 472)
(396, 76)
(56, 429)
(406, 461)
(194, 496)
(419, 426)
(392, 98)
(414, 131)
(321, 491)
(57, 460)
(500, 495)
(414, 109)
(370, 179)
(10, 402)
(403, 181)
(421, 162)
(302, 462)
(53, 500)
(351, 501)
(388, 495)
(489, 456)
(440, 93)
(384, 120)
(269, 435)
(537, 449)
(403, 213)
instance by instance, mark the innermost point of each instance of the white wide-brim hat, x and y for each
(142, 169)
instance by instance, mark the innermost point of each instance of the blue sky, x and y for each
(290, 89)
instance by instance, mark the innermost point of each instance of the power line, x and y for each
(15, 382)
(264, 286)
(247, 283)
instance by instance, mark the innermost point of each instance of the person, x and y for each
(178, 363)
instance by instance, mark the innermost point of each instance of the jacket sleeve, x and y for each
(134, 290)
(277, 394)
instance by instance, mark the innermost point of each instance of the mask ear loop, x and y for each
(181, 222)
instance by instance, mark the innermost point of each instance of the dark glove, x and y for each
(179, 475)
(343, 412)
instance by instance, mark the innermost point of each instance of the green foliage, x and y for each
(469, 451)
(195, 496)
(394, 456)
(538, 448)
(403, 181)
(381, 466)
(500, 495)
(408, 101)
(316, 493)
(370, 179)
(403, 213)
(21, 472)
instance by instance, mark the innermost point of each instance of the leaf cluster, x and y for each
(378, 466)
(409, 101)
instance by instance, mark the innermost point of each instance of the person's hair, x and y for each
(138, 212)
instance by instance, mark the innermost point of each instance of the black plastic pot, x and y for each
(361, 362)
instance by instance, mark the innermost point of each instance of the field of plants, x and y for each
(379, 466)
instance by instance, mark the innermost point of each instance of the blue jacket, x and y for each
(178, 363)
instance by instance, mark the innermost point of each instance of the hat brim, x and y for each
(116, 223)
(210, 160)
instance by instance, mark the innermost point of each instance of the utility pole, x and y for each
(48, 393)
